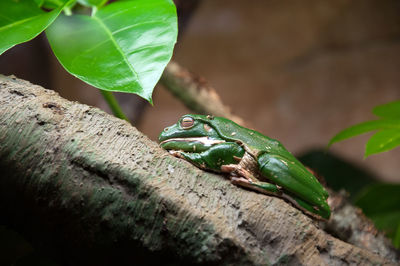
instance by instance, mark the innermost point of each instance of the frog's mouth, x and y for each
(206, 141)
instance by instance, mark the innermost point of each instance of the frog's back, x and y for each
(253, 140)
(258, 144)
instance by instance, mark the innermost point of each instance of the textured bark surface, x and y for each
(94, 190)
(349, 224)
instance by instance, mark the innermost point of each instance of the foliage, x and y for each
(380, 202)
(22, 21)
(388, 126)
(123, 46)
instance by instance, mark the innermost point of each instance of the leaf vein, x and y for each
(19, 22)
(138, 50)
(137, 24)
(114, 42)
(124, 10)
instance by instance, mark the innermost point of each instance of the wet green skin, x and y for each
(284, 174)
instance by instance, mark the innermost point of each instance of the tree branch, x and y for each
(94, 190)
(194, 92)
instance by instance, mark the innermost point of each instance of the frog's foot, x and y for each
(229, 168)
(237, 180)
(241, 181)
(237, 170)
(177, 154)
(309, 209)
(263, 187)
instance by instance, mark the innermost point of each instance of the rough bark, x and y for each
(349, 224)
(94, 190)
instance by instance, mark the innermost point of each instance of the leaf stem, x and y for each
(67, 11)
(94, 10)
(113, 103)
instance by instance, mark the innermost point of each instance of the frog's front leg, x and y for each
(214, 157)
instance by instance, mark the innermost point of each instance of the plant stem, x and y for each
(94, 10)
(113, 103)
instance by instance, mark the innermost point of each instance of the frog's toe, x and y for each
(240, 180)
(176, 153)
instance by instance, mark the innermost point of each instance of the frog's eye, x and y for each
(187, 122)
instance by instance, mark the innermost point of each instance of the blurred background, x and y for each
(296, 71)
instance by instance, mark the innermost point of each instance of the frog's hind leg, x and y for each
(271, 189)
(310, 210)
(242, 177)
(299, 184)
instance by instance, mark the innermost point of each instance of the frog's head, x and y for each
(192, 133)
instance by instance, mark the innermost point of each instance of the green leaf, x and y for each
(381, 203)
(51, 4)
(383, 141)
(390, 110)
(364, 128)
(21, 21)
(92, 2)
(39, 2)
(124, 47)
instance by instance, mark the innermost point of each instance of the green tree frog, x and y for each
(251, 159)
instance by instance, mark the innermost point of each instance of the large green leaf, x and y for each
(125, 46)
(390, 110)
(51, 4)
(365, 127)
(39, 2)
(21, 21)
(92, 2)
(383, 141)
